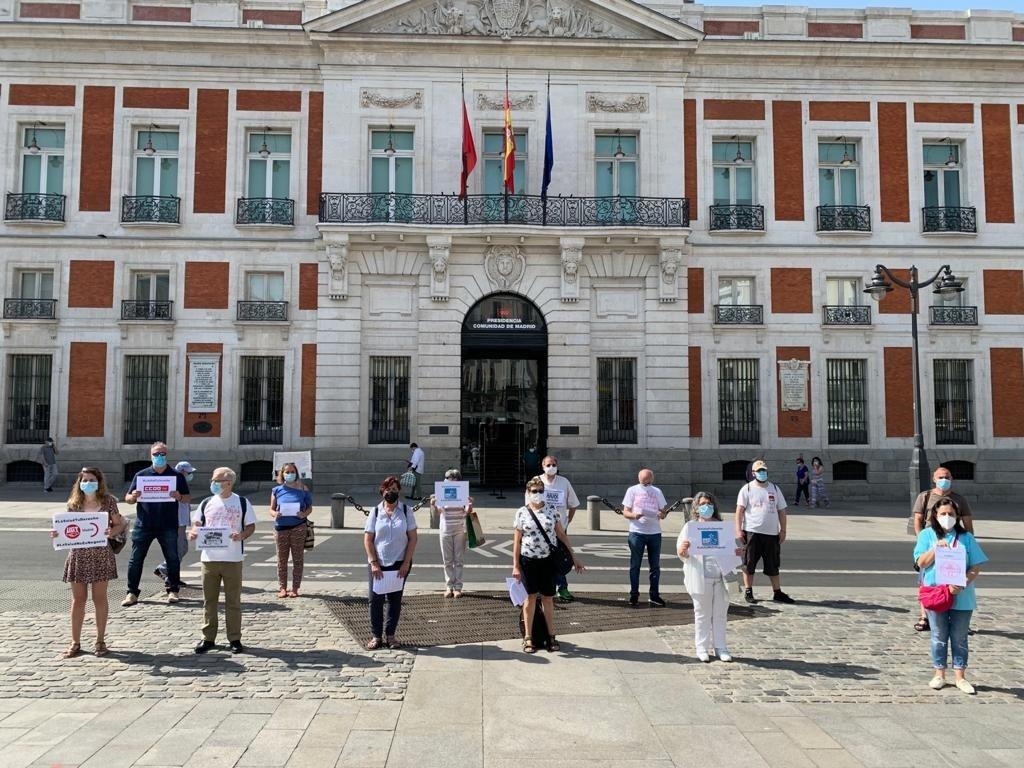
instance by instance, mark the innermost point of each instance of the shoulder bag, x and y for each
(938, 598)
(561, 554)
(117, 542)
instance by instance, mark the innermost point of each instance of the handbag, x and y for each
(474, 532)
(561, 554)
(937, 598)
(408, 479)
(310, 535)
(117, 542)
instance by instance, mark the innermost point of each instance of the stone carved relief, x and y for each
(505, 265)
(440, 253)
(572, 255)
(494, 101)
(337, 257)
(618, 103)
(670, 259)
(385, 99)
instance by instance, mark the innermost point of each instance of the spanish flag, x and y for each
(509, 176)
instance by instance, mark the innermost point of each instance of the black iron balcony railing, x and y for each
(844, 218)
(150, 209)
(949, 219)
(845, 315)
(34, 206)
(265, 210)
(134, 309)
(941, 315)
(531, 210)
(739, 314)
(263, 311)
(30, 309)
(738, 217)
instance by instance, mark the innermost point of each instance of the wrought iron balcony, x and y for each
(150, 209)
(265, 210)
(133, 309)
(942, 315)
(737, 217)
(34, 206)
(263, 311)
(739, 314)
(30, 309)
(844, 218)
(949, 219)
(531, 210)
(845, 315)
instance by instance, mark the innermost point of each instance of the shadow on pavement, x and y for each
(835, 669)
(184, 664)
(853, 605)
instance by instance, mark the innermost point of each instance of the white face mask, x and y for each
(536, 498)
(550, 471)
(947, 522)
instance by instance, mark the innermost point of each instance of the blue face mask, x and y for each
(943, 483)
(215, 488)
(289, 477)
(761, 475)
(706, 510)
(159, 462)
(89, 486)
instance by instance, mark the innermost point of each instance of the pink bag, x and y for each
(938, 599)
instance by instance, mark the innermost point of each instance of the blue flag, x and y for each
(549, 154)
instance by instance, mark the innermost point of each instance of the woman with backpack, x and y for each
(389, 539)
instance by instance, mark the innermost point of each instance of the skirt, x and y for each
(86, 566)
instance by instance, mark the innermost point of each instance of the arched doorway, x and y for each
(504, 390)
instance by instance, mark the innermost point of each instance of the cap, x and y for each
(759, 464)
(184, 467)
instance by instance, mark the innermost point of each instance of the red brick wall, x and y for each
(1007, 391)
(818, 29)
(208, 195)
(894, 194)
(268, 101)
(730, 28)
(793, 423)
(161, 13)
(213, 418)
(690, 155)
(733, 109)
(308, 288)
(98, 136)
(1018, 34)
(87, 386)
(273, 18)
(897, 301)
(49, 11)
(840, 111)
(91, 284)
(788, 153)
(30, 95)
(155, 98)
(937, 32)
(1004, 291)
(695, 290)
(307, 404)
(899, 392)
(998, 161)
(696, 396)
(943, 112)
(1020, 114)
(206, 284)
(315, 152)
(791, 291)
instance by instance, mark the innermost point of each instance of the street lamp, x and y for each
(946, 285)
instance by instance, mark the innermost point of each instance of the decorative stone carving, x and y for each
(440, 251)
(337, 257)
(505, 265)
(494, 101)
(618, 103)
(572, 255)
(369, 98)
(669, 261)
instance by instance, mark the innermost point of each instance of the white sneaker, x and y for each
(723, 654)
(703, 656)
(172, 597)
(937, 683)
(964, 686)
(129, 600)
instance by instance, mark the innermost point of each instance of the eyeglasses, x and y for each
(158, 454)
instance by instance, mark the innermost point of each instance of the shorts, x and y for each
(762, 546)
(538, 575)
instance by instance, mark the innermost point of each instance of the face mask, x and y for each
(215, 488)
(761, 475)
(536, 498)
(943, 483)
(947, 522)
(89, 486)
(159, 462)
(550, 471)
(391, 497)
(289, 477)
(705, 510)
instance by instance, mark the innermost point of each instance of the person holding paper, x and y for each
(389, 539)
(704, 577)
(290, 506)
(645, 507)
(946, 531)
(91, 565)
(562, 499)
(453, 517)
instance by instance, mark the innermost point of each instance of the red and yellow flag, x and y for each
(509, 176)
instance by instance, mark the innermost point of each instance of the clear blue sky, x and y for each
(917, 5)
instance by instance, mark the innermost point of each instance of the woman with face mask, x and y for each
(291, 504)
(819, 496)
(704, 578)
(949, 628)
(389, 539)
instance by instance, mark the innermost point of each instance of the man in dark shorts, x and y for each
(761, 523)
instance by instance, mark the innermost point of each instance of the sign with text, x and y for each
(79, 530)
(203, 383)
(156, 489)
(951, 566)
(451, 493)
(213, 538)
(793, 383)
(303, 461)
(713, 539)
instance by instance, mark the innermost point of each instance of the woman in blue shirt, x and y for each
(950, 627)
(290, 505)
(389, 539)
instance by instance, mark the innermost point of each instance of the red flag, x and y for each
(509, 171)
(468, 150)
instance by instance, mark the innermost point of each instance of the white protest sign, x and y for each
(156, 489)
(389, 582)
(303, 461)
(554, 498)
(710, 539)
(951, 566)
(78, 530)
(451, 493)
(213, 538)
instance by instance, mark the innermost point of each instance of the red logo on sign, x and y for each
(72, 531)
(503, 312)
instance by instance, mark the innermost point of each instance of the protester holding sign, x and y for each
(454, 505)
(290, 507)
(645, 507)
(942, 565)
(93, 565)
(389, 539)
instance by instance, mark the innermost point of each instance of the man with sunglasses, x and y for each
(156, 521)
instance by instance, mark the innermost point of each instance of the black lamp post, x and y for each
(946, 284)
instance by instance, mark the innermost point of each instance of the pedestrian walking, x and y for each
(184, 520)
(95, 566)
(560, 496)
(645, 507)
(537, 525)
(222, 565)
(290, 507)
(704, 578)
(389, 539)
(47, 456)
(761, 524)
(156, 521)
(949, 627)
(803, 483)
(819, 496)
(417, 465)
(454, 537)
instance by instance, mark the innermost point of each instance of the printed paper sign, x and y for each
(388, 583)
(710, 539)
(79, 530)
(451, 493)
(213, 538)
(289, 508)
(156, 489)
(554, 498)
(516, 591)
(951, 566)
(645, 502)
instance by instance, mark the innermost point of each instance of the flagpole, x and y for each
(544, 190)
(504, 161)
(465, 198)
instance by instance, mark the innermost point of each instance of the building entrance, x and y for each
(504, 391)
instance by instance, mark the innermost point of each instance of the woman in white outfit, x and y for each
(453, 537)
(704, 578)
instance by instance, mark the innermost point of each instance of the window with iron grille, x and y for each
(28, 398)
(262, 406)
(389, 399)
(616, 400)
(847, 402)
(954, 401)
(145, 399)
(738, 412)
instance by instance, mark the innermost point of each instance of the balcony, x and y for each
(273, 211)
(30, 309)
(263, 311)
(949, 219)
(942, 315)
(737, 218)
(133, 309)
(739, 314)
(529, 210)
(844, 218)
(150, 209)
(34, 206)
(845, 315)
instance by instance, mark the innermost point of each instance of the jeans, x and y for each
(949, 628)
(394, 601)
(637, 543)
(182, 551)
(141, 540)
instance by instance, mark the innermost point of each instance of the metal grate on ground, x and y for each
(476, 617)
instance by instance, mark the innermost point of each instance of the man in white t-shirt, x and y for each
(761, 523)
(219, 525)
(560, 498)
(417, 463)
(645, 507)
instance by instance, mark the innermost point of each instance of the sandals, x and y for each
(922, 625)
(528, 645)
(393, 642)
(74, 650)
(293, 593)
(553, 645)
(374, 644)
(101, 648)
(282, 592)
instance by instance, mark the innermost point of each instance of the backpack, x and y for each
(405, 513)
(245, 508)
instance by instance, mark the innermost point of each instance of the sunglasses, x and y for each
(158, 454)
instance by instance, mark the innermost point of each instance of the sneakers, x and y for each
(130, 600)
(634, 599)
(723, 654)
(964, 686)
(703, 656)
(172, 598)
(937, 683)
(565, 595)
(782, 597)
(657, 602)
(237, 647)
(748, 595)
(204, 646)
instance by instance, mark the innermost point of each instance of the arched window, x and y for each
(961, 470)
(850, 470)
(735, 470)
(24, 472)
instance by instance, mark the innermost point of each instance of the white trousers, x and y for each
(710, 612)
(453, 553)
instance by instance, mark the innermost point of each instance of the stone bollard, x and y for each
(594, 510)
(338, 510)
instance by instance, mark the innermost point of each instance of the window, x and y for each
(837, 173)
(28, 398)
(494, 162)
(736, 291)
(269, 165)
(257, 472)
(264, 286)
(954, 401)
(735, 470)
(738, 416)
(156, 163)
(151, 286)
(959, 469)
(145, 399)
(843, 292)
(24, 471)
(616, 400)
(847, 402)
(942, 175)
(733, 164)
(35, 284)
(391, 156)
(262, 406)
(389, 400)
(615, 155)
(42, 160)
(850, 469)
